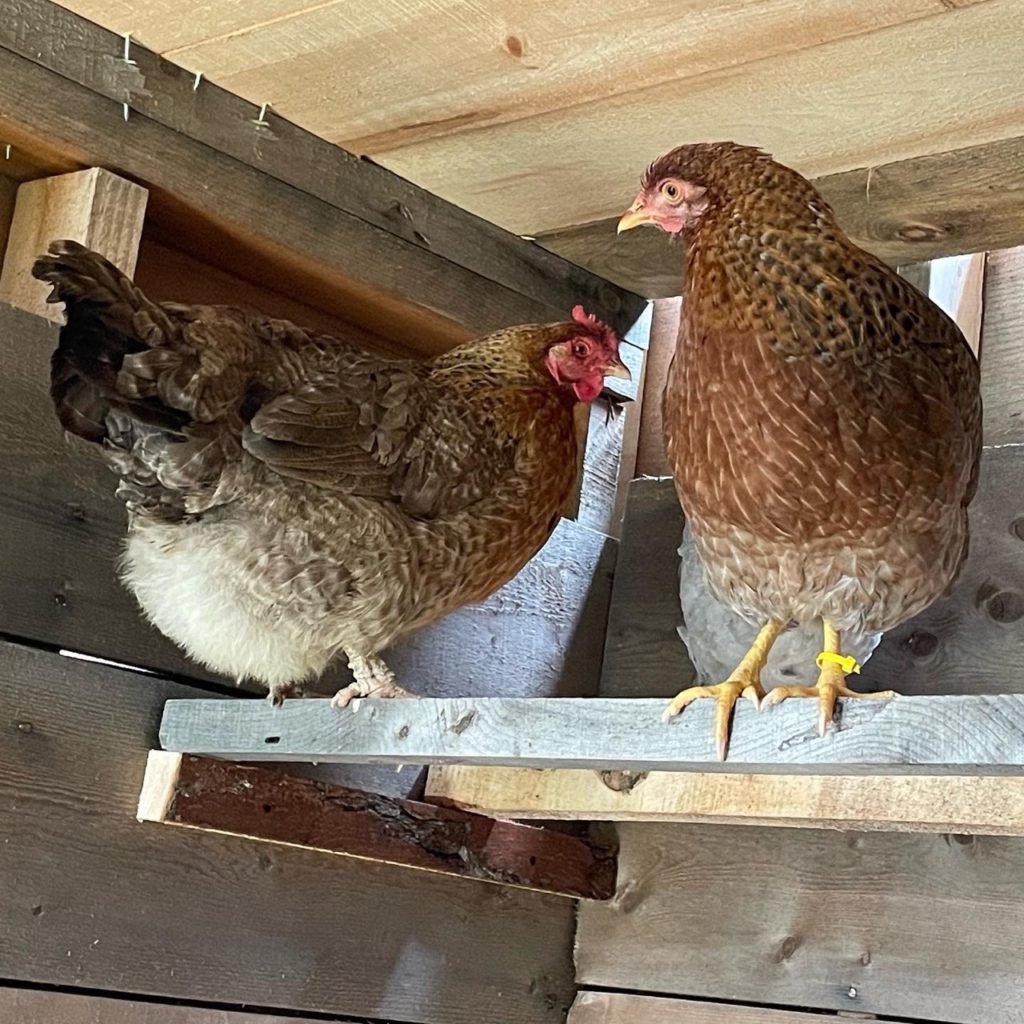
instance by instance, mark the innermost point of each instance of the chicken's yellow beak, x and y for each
(636, 215)
(618, 369)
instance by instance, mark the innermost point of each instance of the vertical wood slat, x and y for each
(651, 458)
(94, 207)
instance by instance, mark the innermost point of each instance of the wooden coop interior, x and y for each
(410, 175)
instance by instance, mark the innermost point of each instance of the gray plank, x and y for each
(965, 735)
(627, 1008)
(31, 1006)
(964, 643)
(92, 898)
(389, 224)
(908, 926)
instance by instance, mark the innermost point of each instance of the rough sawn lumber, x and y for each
(958, 804)
(952, 734)
(266, 804)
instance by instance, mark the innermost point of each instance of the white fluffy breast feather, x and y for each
(189, 581)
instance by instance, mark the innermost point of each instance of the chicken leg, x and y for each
(743, 681)
(373, 679)
(831, 683)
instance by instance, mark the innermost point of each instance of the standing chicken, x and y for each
(822, 417)
(291, 496)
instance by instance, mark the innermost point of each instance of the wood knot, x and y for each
(1017, 528)
(922, 643)
(464, 722)
(919, 233)
(515, 46)
(622, 781)
(1006, 606)
(789, 945)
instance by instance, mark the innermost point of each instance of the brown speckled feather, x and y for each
(823, 417)
(293, 496)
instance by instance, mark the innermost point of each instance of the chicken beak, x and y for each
(636, 215)
(618, 369)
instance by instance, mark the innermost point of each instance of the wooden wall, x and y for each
(914, 927)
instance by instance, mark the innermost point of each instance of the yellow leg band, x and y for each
(845, 661)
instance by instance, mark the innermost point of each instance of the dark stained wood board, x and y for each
(967, 642)
(917, 926)
(34, 1006)
(94, 899)
(374, 203)
(627, 1008)
(269, 805)
(965, 200)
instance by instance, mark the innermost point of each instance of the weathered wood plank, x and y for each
(643, 654)
(652, 459)
(963, 643)
(61, 528)
(917, 926)
(227, 920)
(93, 207)
(387, 233)
(957, 285)
(918, 209)
(626, 1008)
(268, 805)
(32, 1006)
(862, 803)
(1002, 343)
(966, 735)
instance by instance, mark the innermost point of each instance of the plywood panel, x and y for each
(925, 927)
(94, 899)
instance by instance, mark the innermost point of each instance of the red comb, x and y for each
(606, 335)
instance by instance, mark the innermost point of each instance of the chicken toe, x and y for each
(831, 683)
(373, 679)
(745, 681)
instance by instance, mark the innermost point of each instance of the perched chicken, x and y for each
(822, 417)
(291, 496)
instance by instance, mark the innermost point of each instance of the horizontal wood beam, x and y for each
(945, 204)
(956, 804)
(64, 92)
(266, 804)
(953, 734)
(626, 1008)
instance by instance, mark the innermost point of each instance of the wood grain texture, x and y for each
(643, 655)
(966, 735)
(626, 1008)
(94, 899)
(861, 803)
(29, 1006)
(1002, 343)
(651, 457)
(268, 805)
(963, 643)
(8, 192)
(920, 208)
(61, 529)
(385, 225)
(94, 207)
(917, 926)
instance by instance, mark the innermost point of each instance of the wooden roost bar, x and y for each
(433, 861)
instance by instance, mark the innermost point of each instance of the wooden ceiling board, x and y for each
(541, 114)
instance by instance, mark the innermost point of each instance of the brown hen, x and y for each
(292, 496)
(822, 417)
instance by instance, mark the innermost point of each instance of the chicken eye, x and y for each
(580, 349)
(670, 190)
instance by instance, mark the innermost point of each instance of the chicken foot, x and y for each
(744, 681)
(831, 685)
(373, 680)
